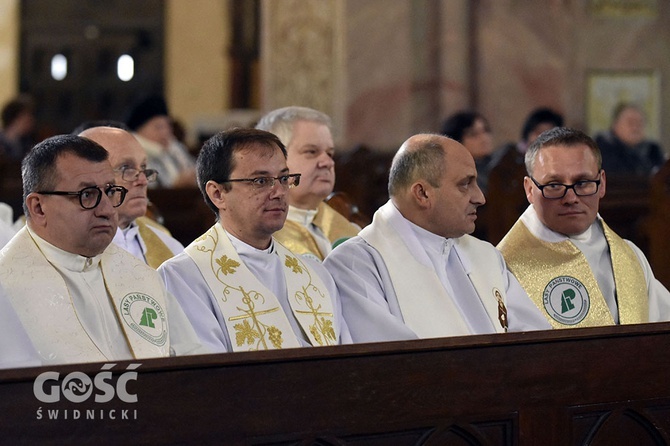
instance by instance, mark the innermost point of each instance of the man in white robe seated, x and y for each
(414, 272)
(578, 271)
(312, 226)
(80, 297)
(16, 350)
(137, 234)
(241, 289)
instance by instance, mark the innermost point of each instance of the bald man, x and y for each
(139, 235)
(415, 272)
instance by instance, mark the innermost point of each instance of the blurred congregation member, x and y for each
(241, 289)
(538, 121)
(80, 297)
(151, 124)
(577, 270)
(18, 123)
(472, 130)
(624, 148)
(415, 272)
(312, 227)
(137, 234)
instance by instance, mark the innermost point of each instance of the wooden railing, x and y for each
(595, 386)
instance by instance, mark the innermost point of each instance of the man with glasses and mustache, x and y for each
(576, 269)
(137, 234)
(241, 288)
(80, 297)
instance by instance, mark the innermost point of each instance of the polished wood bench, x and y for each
(596, 386)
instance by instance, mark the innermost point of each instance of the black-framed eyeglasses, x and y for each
(287, 181)
(554, 191)
(89, 197)
(131, 174)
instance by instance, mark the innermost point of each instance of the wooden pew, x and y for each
(596, 386)
(659, 224)
(183, 211)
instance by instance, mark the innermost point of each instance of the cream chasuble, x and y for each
(426, 306)
(254, 317)
(44, 304)
(558, 278)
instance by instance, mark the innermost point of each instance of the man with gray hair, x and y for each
(312, 227)
(577, 270)
(414, 272)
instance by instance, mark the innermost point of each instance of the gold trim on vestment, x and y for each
(157, 251)
(558, 278)
(299, 240)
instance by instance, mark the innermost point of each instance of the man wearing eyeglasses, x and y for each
(80, 297)
(576, 269)
(137, 234)
(241, 289)
(312, 226)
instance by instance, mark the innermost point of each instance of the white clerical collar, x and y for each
(244, 248)
(432, 243)
(304, 217)
(64, 259)
(539, 230)
(131, 229)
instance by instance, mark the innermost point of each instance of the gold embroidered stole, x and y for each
(558, 278)
(157, 251)
(333, 224)
(42, 300)
(299, 240)
(426, 306)
(254, 317)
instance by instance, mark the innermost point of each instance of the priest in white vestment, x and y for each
(241, 289)
(142, 237)
(80, 297)
(577, 270)
(414, 272)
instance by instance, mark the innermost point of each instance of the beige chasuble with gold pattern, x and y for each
(253, 315)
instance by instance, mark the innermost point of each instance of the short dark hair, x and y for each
(14, 108)
(560, 136)
(216, 158)
(38, 168)
(456, 125)
(540, 116)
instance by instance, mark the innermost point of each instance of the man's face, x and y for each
(310, 153)
(458, 195)
(66, 224)
(572, 214)
(629, 127)
(124, 153)
(252, 214)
